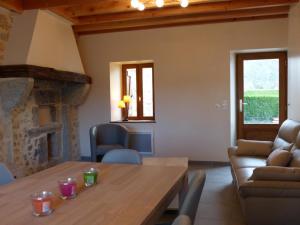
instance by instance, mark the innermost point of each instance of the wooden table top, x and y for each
(124, 195)
(166, 161)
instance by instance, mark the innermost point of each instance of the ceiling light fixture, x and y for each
(138, 4)
(141, 6)
(159, 3)
(134, 3)
(184, 3)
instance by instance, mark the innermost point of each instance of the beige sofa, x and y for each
(272, 198)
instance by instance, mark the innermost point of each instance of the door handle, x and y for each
(242, 105)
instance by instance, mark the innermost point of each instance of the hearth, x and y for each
(38, 116)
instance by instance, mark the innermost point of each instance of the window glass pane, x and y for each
(261, 91)
(147, 74)
(132, 91)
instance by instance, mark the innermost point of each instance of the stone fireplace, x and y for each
(38, 116)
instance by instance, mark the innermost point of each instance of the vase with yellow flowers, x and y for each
(124, 105)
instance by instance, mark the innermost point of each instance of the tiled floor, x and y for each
(219, 204)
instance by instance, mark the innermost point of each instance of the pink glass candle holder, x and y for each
(67, 188)
(42, 203)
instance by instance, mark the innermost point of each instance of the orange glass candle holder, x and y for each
(42, 203)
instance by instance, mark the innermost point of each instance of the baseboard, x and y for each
(208, 163)
(191, 162)
(85, 158)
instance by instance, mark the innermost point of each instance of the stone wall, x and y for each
(38, 123)
(6, 20)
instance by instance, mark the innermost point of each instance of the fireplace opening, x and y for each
(51, 145)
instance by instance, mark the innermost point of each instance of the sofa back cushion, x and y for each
(253, 148)
(287, 135)
(279, 158)
(296, 153)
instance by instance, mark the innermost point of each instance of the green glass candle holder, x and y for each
(90, 177)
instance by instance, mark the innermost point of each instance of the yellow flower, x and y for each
(121, 104)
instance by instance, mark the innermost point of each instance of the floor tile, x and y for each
(218, 204)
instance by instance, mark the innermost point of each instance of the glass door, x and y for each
(261, 90)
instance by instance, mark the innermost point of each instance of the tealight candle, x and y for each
(42, 203)
(67, 188)
(90, 177)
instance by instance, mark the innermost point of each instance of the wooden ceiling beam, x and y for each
(215, 6)
(251, 18)
(45, 4)
(271, 12)
(60, 12)
(177, 11)
(13, 5)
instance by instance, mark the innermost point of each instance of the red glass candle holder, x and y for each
(42, 203)
(68, 188)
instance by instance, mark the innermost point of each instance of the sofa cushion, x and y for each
(287, 134)
(276, 173)
(279, 157)
(244, 162)
(296, 153)
(295, 162)
(280, 143)
(253, 148)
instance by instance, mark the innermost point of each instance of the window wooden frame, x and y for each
(139, 82)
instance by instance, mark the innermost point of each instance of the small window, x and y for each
(138, 83)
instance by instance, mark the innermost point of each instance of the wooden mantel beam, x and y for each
(247, 14)
(13, 5)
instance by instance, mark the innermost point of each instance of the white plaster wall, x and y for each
(294, 63)
(43, 39)
(192, 75)
(115, 90)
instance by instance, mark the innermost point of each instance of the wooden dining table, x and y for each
(124, 195)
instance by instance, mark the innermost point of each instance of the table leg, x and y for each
(183, 191)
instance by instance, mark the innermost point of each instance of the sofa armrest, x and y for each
(232, 151)
(253, 148)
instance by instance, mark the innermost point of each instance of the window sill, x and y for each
(134, 121)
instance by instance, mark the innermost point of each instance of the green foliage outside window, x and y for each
(261, 105)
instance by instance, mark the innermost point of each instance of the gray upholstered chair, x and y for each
(105, 137)
(122, 156)
(191, 201)
(5, 175)
(182, 220)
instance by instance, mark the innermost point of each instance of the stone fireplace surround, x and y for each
(38, 116)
